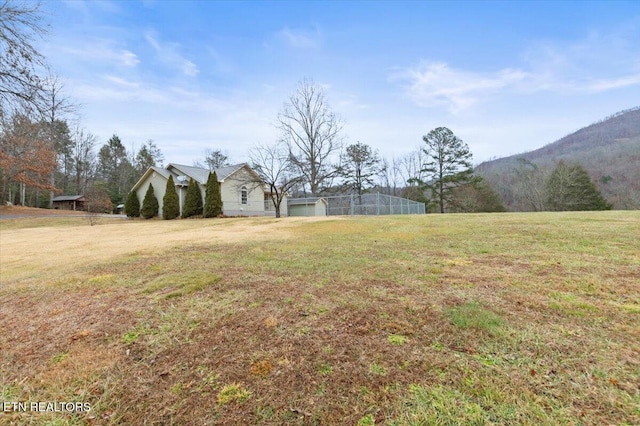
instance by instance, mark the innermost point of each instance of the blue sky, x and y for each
(506, 77)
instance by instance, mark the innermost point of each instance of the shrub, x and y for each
(149, 204)
(213, 197)
(132, 205)
(170, 202)
(193, 200)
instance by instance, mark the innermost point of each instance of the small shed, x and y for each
(69, 202)
(307, 207)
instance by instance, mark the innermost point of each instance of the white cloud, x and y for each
(100, 51)
(598, 63)
(433, 84)
(299, 38)
(169, 54)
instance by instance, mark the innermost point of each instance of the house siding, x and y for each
(230, 189)
(231, 195)
(159, 184)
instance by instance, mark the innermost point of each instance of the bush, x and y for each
(193, 200)
(149, 204)
(132, 205)
(213, 197)
(170, 202)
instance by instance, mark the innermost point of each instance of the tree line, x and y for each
(45, 150)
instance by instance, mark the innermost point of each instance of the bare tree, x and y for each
(529, 186)
(20, 25)
(84, 159)
(55, 107)
(312, 134)
(215, 158)
(274, 166)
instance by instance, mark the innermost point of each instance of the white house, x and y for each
(243, 193)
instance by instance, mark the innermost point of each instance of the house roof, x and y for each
(199, 174)
(164, 172)
(68, 198)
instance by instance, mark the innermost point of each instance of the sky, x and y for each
(505, 77)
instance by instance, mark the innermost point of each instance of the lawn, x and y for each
(404, 320)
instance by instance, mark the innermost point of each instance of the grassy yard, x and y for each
(526, 319)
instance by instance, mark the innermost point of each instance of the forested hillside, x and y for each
(609, 150)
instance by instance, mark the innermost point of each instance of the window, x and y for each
(243, 195)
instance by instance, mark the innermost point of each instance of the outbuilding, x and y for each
(307, 207)
(69, 202)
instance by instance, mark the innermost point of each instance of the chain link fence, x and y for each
(365, 204)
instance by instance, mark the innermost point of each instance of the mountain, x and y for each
(609, 150)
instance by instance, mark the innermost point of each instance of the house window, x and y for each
(243, 195)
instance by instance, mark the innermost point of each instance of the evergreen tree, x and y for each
(447, 165)
(570, 188)
(132, 206)
(193, 200)
(149, 204)
(170, 202)
(213, 197)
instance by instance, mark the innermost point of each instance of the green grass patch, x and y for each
(473, 315)
(181, 284)
(233, 392)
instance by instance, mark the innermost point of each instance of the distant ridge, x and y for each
(609, 149)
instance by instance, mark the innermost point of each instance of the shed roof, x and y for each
(68, 198)
(305, 201)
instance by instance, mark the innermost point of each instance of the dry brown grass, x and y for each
(459, 319)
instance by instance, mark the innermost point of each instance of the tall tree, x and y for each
(570, 188)
(83, 159)
(528, 186)
(55, 107)
(312, 133)
(115, 169)
(213, 197)
(149, 204)
(148, 155)
(26, 157)
(274, 167)
(170, 201)
(215, 158)
(20, 84)
(193, 200)
(359, 165)
(447, 164)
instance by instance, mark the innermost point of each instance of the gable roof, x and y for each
(199, 174)
(163, 172)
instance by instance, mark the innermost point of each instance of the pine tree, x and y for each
(170, 202)
(132, 205)
(213, 197)
(149, 204)
(570, 188)
(193, 200)
(447, 165)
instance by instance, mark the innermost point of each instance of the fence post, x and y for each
(352, 206)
